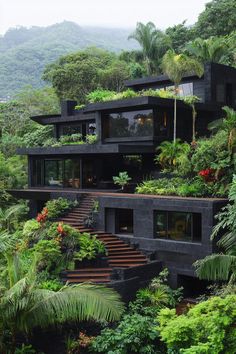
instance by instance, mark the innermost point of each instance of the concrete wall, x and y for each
(178, 256)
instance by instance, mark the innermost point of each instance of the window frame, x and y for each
(167, 238)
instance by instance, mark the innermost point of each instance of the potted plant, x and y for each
(122, 179)
(92, 252)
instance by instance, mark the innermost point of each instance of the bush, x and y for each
(161, 186)
(30, 229)
(208, 328)
(57, 207)
(48, 254)
(134, 334)
(171, 153)
(89, 247)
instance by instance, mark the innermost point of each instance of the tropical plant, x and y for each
(227, 124)
(175, 66)
(134, 334)
(208, 327)
(89, 247)
(208, 50)
(191, 101)
(56, 207)
(24, 306)
(169, 154)
(122, 179)
(10, 217)
(151, 41)
(222, 266)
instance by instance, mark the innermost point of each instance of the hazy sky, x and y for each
(106, 13)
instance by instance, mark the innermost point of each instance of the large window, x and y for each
(82, 128)
(178, 226)
(57, 173)
(129, 124)
(53, 175)
(124, 221)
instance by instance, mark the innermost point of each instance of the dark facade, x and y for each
(179, 244)
(173, 230)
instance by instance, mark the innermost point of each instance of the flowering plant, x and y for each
(42, 217)
(207, 174)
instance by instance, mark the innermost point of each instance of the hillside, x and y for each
(25, 52)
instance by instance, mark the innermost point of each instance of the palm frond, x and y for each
(228, 241)
(215, 267)
(74, 303)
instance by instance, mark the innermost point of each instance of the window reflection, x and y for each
(129, 124)
(53, 173)
(178, 226)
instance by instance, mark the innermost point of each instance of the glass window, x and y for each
(72, 174)
(53, 173)
(178, 226)
(124, 221)
(37, 173)
(185, 89)
(129, 124)
(71, 129)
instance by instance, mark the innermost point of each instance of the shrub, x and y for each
(30, 229)
(134, 334)
(48, 254)
(161, 186)
(71, 139)
(171, 153)
(57, 207)
(91, 139)
(122, 179)
(208, 328)
(100, 96)
(89, 247)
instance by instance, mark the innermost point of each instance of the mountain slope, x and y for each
(25, 52)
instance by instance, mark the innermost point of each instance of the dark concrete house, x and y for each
(173, 230)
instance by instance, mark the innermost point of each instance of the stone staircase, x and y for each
(120, 254)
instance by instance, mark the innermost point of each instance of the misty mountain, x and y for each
(25, 52)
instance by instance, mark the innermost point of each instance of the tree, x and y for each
(191, 101)
(24, 306)
(218, 18)
(179, 35)
(222, 266)
(153, 43)
(208, 50)
(38, 101)
(175, 66)
(75, 75)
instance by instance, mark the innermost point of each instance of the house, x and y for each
(173, 230)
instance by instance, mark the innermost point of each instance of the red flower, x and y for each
(60, 228)
(207, 174)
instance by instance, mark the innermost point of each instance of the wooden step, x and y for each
(126, 256)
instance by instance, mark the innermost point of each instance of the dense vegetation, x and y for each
(34, 253)
(25, 52)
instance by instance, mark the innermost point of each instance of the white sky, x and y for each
(104, 13)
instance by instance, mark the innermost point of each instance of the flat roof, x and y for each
(155, 80)
(88, 149)
(101, 193)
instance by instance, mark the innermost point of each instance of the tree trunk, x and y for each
(194, 124)
(175, 113)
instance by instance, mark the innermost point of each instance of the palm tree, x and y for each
(222, 266)
(227, 124)
(191, 101)
(9, 217)
(175, 66)
(24, 306)
(152, 42)
(208, 50)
